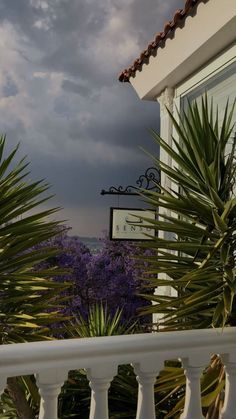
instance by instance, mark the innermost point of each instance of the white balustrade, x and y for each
(49, 383)
(193, 368)
(146, 372)
(100, 378)
(50, 361)
(229, 409)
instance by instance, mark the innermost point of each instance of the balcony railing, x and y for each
(100, 357)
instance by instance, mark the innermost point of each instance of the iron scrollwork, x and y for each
(149, 181)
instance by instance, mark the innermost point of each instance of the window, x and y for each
(221, 87)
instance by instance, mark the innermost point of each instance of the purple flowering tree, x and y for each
(114, 278)
(110, 276)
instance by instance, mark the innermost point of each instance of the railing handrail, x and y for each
(51, 361)
(28, 358)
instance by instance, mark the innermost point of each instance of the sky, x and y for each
(60, 97)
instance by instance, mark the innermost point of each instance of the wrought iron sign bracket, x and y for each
(149, 181)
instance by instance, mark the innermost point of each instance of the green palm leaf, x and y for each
(197, 259)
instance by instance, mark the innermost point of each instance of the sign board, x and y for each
(127, 224)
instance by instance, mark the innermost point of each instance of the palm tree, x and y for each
(198, 258)
(30, 298)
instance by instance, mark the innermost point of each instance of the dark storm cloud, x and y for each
(79, 184)
(21, 13)
(60, 30)
(9, 88)
(128, 128)
(69, 15)
(62, 17)
(149, 23)
(72, 60)
(61, 107)
(66, 31)
(15, 133)
(76, 88)
(126, 122)
(60, 95)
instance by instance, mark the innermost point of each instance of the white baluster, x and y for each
(193, 368)
(100, 378)
(146, 372)
(49, 383)
(229, 409)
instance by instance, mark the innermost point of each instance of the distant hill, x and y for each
(93, 243)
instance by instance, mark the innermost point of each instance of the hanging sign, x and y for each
(127, 224)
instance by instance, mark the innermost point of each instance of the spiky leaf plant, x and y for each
(197, 259)
(74, 400)
(30, 298)
(200, 212)
(100, 322)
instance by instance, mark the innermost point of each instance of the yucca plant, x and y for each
(74, 400)
(99, 322)
(30, 298)
(198, 258)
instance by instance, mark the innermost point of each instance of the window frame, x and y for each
(206, 73)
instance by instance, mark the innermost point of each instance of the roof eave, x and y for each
(178, 20)
(174, 64)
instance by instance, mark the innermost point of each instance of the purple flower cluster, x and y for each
(110, 276)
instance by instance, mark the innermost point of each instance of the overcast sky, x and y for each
(60, 97)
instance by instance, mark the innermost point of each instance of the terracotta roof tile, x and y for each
(160, 38)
